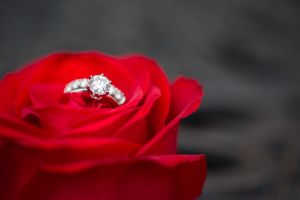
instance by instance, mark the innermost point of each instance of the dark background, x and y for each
(245, 53)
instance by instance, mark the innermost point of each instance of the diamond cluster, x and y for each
(99, 85)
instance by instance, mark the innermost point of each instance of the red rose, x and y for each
(56, 146)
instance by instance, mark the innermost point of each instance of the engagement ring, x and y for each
(99, 86)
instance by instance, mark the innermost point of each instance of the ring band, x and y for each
(99, 86)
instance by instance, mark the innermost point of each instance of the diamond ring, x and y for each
(98, 86)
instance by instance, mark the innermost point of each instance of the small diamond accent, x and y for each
(99, 85)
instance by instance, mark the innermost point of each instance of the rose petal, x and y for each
(74, 120)
(165, 178)
(139, 71)
(158, 79)
(190, 171)
(42, 95)
(93, 116)
(74, 155)
(19, 165)
(68, 155)
(17, 129)
(16, 169)
(186, 98)
(8, 87)
(137, 128)
(170, 177)
(103, 127)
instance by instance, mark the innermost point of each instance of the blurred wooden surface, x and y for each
(245, 53)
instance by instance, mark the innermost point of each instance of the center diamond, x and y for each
(99, 85)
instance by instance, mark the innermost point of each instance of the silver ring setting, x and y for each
(99, 86)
